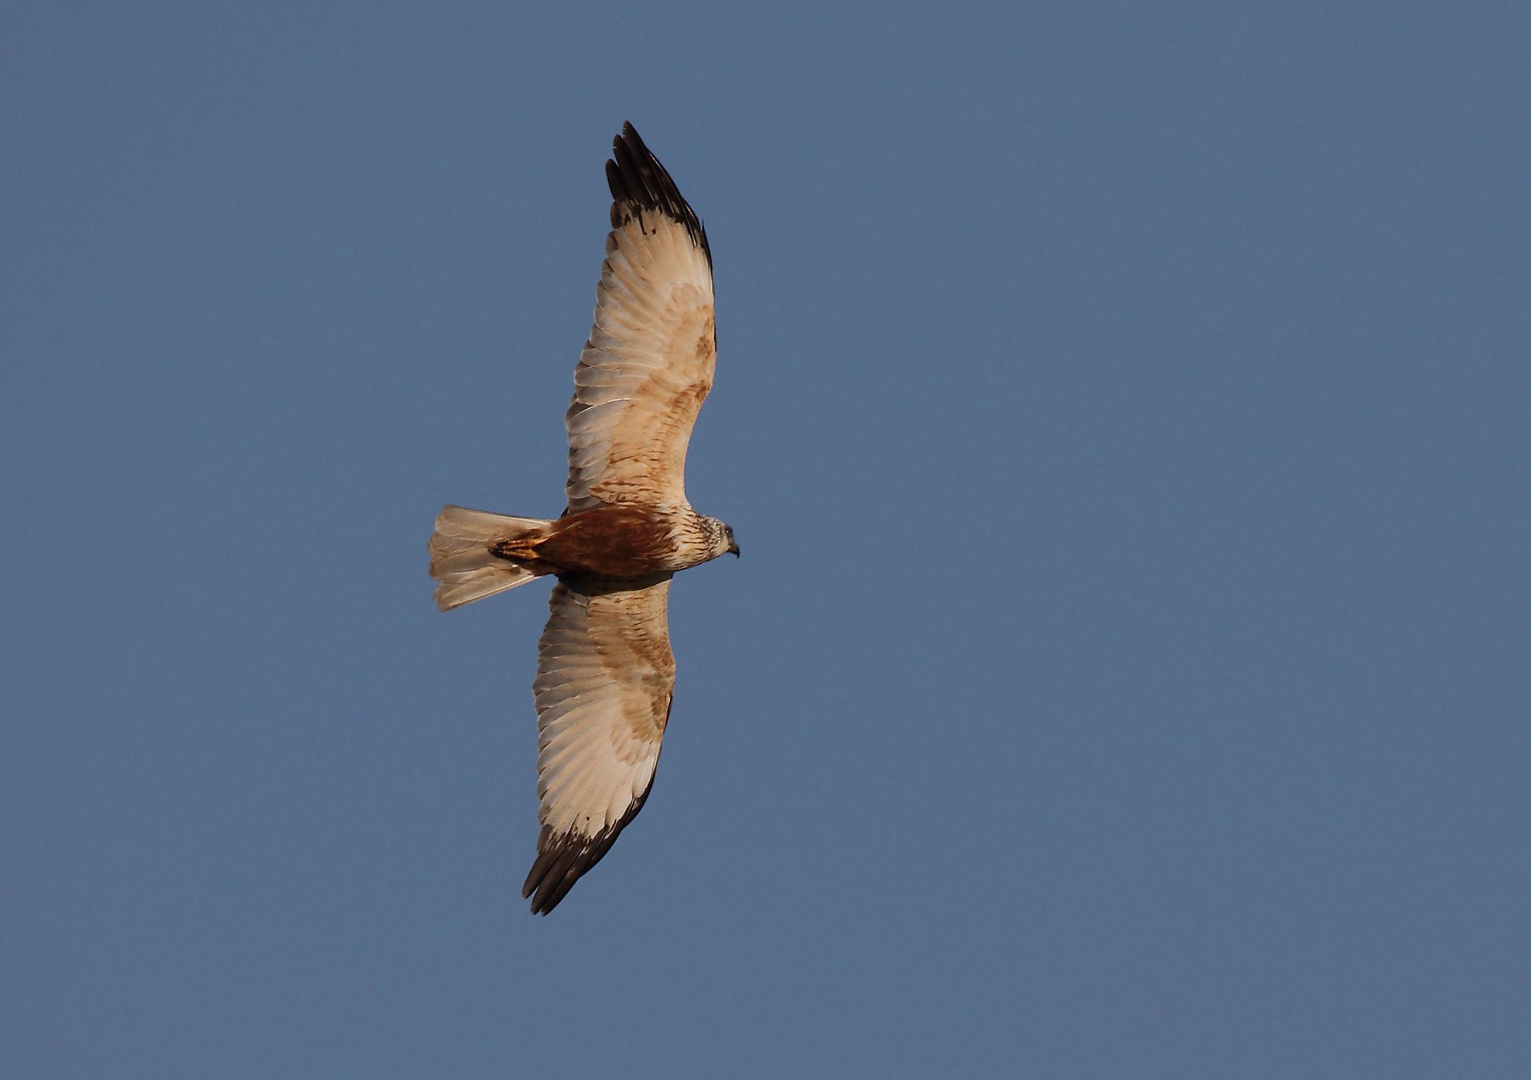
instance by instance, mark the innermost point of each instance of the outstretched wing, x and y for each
(648, 364)
(605, 679)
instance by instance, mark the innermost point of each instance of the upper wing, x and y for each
(605, 678)
(648, 364)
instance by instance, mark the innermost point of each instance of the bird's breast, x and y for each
(616, 541)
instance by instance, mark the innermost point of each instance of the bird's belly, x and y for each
(611, 542)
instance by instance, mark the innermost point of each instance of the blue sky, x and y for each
(1123, 412)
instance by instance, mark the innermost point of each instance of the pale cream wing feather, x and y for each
(649, 362)
(605, 679)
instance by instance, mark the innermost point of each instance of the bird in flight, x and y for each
(605, 673)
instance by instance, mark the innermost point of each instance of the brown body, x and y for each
(612, 542)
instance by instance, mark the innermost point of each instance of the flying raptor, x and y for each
(605, 673)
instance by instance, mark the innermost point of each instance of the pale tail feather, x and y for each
(460, 558)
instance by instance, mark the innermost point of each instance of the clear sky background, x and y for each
(1123, 410)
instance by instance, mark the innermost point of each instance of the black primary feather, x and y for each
(563, 858)
(639, 182)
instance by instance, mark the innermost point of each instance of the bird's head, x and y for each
(721, 539)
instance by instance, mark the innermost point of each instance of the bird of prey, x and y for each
(605, 673)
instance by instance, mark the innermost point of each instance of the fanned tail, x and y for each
(461, 559)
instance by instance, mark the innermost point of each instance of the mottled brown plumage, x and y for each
(613, 541)
(605, 675)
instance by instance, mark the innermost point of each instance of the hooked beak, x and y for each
(733, 548)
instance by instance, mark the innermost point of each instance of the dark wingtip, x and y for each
(564, 858)
(639, 182)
